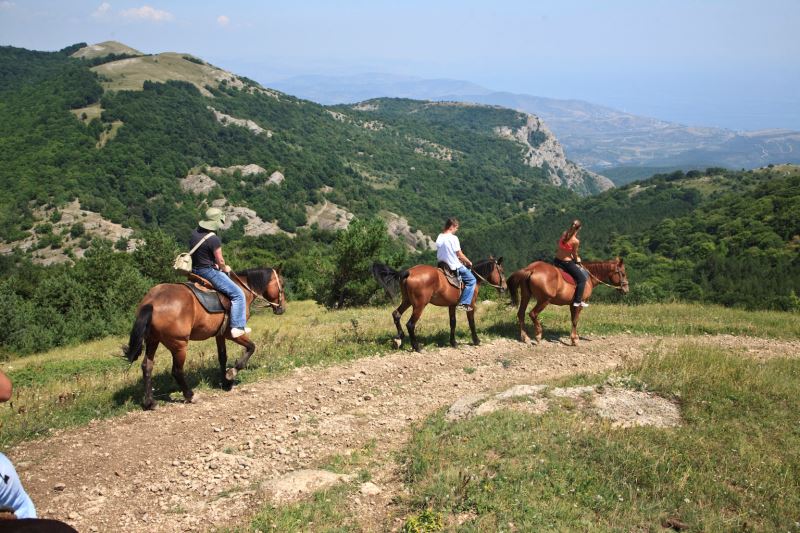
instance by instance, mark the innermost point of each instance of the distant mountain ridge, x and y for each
(594, 136)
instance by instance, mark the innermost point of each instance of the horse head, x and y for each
(491, 270)
(274, 293)
(265, 283)
(618, 277)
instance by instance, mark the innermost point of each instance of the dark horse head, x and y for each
(491, 272)
(265, 283)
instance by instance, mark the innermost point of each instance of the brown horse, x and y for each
(546, 284)
(424, 284)
(171, 315)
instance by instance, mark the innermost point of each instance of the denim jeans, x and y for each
(223, 283)
(572, 268)
(469, 285)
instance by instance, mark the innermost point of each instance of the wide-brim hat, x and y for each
(215, 219)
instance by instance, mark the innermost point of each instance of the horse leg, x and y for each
(396, 314)
(471, 320)
(534, 314)
(412, 324)
(147, 374)
(452, 311)
(178, 359)
(575, 312)
(249, 348)
(222, 356)
(525, 297)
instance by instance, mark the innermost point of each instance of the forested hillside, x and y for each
(123, 153)
(718, 236)
(71, 152)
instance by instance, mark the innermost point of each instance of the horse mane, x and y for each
(599, 268)
(484, 267)
(257, 278)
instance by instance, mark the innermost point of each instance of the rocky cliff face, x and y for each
(542, 149)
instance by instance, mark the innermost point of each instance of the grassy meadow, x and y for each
(734, 464)
(73, 385)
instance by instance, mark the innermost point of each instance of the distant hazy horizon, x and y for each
(730, 64)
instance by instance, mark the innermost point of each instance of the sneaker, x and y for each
(580, 304)
(238, 332)
(464, 307)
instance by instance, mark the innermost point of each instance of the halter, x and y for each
(617, 271)
(498, 287)
(256, 296)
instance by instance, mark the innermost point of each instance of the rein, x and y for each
(617, 287)
(486, 281)
(256, 296)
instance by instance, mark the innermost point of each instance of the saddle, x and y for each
(211, 300)
(450, 275)
(566, 275)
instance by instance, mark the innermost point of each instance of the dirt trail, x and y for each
(199, 466)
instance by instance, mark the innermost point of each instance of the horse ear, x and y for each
(500, 260)
(279, 268)
(619, 261)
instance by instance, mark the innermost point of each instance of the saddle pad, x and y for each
(569, 279)
(210, 300)
(450, 275)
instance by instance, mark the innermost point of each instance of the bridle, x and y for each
(486, 281)
(623, 279)
(257, 296)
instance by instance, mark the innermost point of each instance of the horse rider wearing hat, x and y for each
(208, 262)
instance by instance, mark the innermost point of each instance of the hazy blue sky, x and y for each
(731, 63)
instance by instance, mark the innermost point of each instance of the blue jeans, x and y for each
(469, 285)
(577, 272)
(223, 283)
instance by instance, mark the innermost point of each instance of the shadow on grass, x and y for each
(164, 384)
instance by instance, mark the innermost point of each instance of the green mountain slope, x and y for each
(720, 236)
(123, 153)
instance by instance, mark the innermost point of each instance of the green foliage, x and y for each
(354, 251)
(720, 236)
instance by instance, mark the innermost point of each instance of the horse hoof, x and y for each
(417, 349)
(149, 406)
(189, 399)
(397, 342)
(231, 373)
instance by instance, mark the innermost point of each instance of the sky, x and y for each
(726, 63)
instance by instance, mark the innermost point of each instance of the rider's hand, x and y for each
(226, 268)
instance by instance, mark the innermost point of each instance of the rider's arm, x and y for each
(5, 387)
(220, 260)
(463, 258)
(575, 246)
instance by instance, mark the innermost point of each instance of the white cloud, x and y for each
(5, 4)
(223, 20)
(102, 10)
(147, 13)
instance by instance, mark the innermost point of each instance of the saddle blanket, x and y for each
(451, 276)
(210, 300)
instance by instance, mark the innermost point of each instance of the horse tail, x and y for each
(388, 278)
(515, 282)
(140, 329)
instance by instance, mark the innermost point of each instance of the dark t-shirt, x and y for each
(204, 255)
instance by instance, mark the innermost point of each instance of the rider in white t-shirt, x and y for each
(448, 250)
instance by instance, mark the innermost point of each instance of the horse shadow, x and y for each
(203, 374)
(510, 330)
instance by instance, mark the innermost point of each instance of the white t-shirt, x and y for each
(446, 247)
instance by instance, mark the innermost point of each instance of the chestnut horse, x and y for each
(171, 315)
(546, 284)
(421, 285)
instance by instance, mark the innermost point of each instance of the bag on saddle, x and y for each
(183, 263)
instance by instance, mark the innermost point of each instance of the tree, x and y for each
(354, 250)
